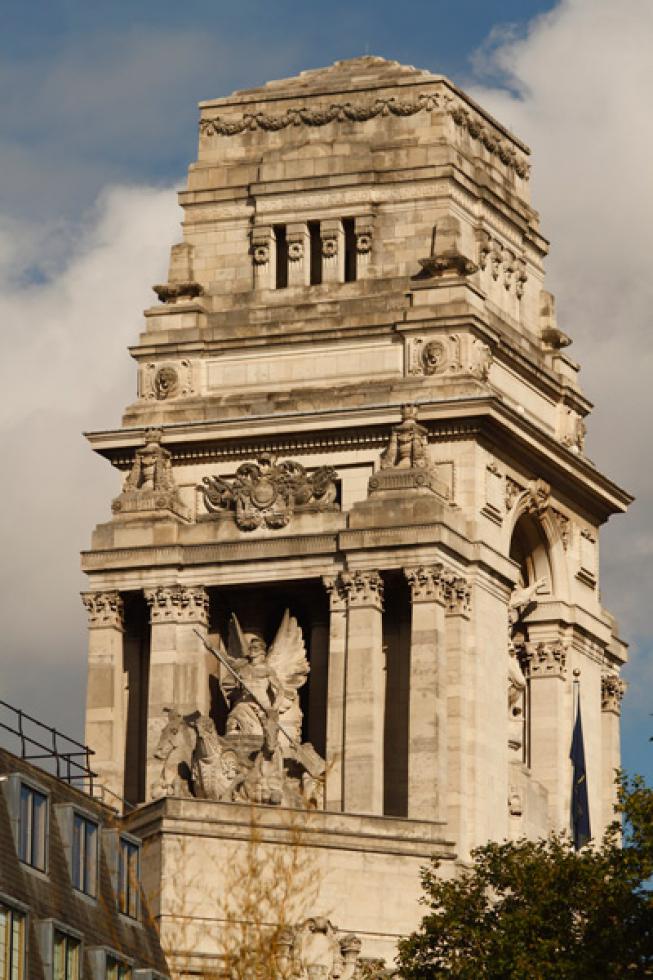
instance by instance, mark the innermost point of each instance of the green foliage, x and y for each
(539, 909)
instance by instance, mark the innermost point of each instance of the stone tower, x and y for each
(356, 447)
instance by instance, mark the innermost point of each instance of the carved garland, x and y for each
(352, 112)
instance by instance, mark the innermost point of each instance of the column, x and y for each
(364, 229)
(317, 685)
(263, 256)
(335, 711)
(105, 692)
(462, 729)
(612, 692)
(364, 694)
(550, 724)
(333, 250)
(299, 254)
(427, 757)
(180, 666)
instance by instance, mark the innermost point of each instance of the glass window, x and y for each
(12, 944)
(117, 969)
(33, 822)
(129, 878)
(66, 957)
(85, 855)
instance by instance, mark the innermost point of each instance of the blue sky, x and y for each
(98, 123)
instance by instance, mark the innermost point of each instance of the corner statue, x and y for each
(260, 758)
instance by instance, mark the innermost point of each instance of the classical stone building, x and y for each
(357, 446)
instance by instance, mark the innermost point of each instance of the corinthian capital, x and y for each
(612, 692)
(178, 604)
(104, 609)
(428, 583)
(362, 588)
(336, 592)
(544, 660)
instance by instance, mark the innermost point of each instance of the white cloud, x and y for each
(66, 369)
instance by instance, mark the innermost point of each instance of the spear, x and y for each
(234, 673)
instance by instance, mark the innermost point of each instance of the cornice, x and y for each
(464, 113)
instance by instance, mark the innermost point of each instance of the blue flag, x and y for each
(580, 811)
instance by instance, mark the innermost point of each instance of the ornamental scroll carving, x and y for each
(267, 493)
(612, 692)
(104, 609)
(447, 355)
(362, 112)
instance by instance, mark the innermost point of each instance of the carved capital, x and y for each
(612, 692)
(458, 595)
(104, 609)
(178, 604)
(362, 589)
(543, 660)
(336, 592)
(428, 583)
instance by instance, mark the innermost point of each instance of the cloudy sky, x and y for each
(97, 125)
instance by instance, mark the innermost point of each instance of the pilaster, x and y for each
(545, 667)
(335, 711)
(612, 692)
(461, 713)
(299, 254)
(106, 707)
(427, 755)
(333, 250)
(364, 694)
(179, 664)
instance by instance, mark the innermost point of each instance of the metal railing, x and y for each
(62, 751)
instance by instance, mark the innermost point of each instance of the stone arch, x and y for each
(534, 540)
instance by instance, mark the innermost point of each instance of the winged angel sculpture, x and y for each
(260, 758)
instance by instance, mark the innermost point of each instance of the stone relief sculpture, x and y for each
(406, 448)
(521, 599)
(315, 950)
(260, 758)
(267, 493)
(150, 483)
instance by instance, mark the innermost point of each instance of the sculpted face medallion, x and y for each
(433, 357)
(166, 383)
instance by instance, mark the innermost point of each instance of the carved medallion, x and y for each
(166, 383)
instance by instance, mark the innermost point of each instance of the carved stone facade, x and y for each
(353, 571)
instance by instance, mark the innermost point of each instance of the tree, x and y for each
(540, 909)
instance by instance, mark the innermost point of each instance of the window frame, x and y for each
(126, 841)
(17, 908)
(66, 936)
(79, 863)
(12, 786)
(100, 958)
(47, 930)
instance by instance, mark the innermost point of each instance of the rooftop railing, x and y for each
(63, 756)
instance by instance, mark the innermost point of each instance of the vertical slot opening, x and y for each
(281, 272)
(316, 252)
(349, 229)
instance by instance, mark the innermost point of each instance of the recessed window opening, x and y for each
(117, 969)
(66, 957)
(85, 855)
(351, 256)
(12, 944)
(33, 827)
(316, 252)
(128, 878)
(281, 272)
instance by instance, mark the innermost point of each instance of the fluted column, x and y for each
(105, 692)
(550, 724)
(427, 755)
(612, 692)
(364, 694)
(335, 712)
(179, 664)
